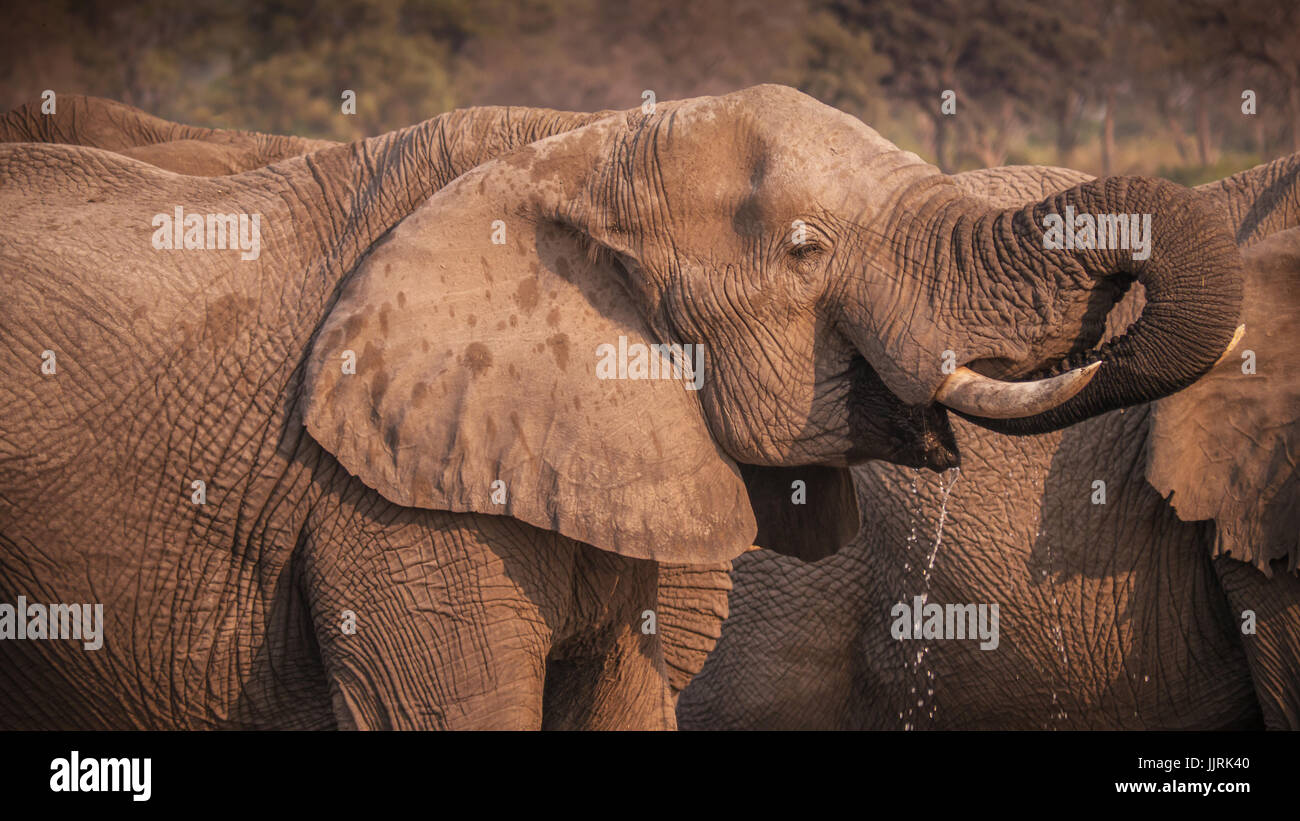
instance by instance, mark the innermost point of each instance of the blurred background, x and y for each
(1112, 86)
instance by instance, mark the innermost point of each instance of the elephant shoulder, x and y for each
(41, 172)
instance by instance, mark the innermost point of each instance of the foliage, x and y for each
(1118, 85)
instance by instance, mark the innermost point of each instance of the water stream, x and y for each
(922, 678)
(1059, 713)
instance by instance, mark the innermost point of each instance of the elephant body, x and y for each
(242, 635)
(1115, 612)
(1109, 618)
(266, 625)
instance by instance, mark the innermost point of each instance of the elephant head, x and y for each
(825, 280)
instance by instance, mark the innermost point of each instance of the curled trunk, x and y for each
(1010, 306)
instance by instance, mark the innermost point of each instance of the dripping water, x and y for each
(943, 516)
(922, 678)
(1059, 713)
(913, 514)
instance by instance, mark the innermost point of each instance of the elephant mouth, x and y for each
(883, 427)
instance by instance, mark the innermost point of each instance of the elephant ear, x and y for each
(805, 512)
(1227, 448)
(476, 386)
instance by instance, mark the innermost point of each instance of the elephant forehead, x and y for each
(770, 138)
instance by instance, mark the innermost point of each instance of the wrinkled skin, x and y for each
(1117, 616)
(246, 653)
(692, 599)
(327, 499)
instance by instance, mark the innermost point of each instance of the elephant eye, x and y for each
(806, 252)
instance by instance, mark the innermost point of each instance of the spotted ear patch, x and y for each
(478, 386)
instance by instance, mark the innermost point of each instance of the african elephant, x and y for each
(692, 598)
(1118, 609)
(368, 474)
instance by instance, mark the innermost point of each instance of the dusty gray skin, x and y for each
(372, 494)
(1123, 615)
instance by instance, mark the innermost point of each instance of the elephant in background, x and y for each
(491, 513)
(125, 130)
(1127, 614)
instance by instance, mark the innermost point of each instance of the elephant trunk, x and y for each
(1186, 259)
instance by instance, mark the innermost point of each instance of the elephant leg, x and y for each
(1273, 650)
(610, 673)
(428, 619)
(614, 683)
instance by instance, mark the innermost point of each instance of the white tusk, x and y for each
(970, 392)
(1241, 331)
